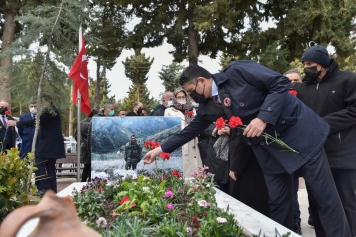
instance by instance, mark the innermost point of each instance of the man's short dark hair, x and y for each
(191, 74)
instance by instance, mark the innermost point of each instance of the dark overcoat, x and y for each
(334, 99)
(257, 91)
(7, 135)
(26, 133)
(50, 139)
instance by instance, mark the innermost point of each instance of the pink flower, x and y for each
(170, 206)
(168, 194)
(180, 190)
(113, 214)
(203, 203)
(169, 189)
(221, 220)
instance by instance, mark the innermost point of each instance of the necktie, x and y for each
(216, 99)
(34, 116)
(4, 122)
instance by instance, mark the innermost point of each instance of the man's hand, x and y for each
(11, 123)
(224, 131)
(151, 156)
(232, 175)
(255, 128)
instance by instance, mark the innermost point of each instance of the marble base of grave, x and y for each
(252, 222)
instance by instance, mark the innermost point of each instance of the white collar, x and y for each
(214, 89)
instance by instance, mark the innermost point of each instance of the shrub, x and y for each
(15, 181)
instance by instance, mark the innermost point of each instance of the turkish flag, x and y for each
(79, 74)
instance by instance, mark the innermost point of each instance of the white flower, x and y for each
(146, 189)
(189, 230)
(221, 220)
(101, 222)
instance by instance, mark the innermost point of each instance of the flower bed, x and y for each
(165, 205)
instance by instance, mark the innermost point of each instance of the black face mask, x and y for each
(198, 98)
(294, 85)
(312, 72)
(3, 110)
(139, 111)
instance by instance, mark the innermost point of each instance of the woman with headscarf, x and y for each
(183, 108)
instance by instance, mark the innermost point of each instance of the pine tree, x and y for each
(170, 76)
(106, 26)
(297, 23)
(193, 27)
(136, 68)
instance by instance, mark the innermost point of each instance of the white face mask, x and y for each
(170, 103)
(182, 102)
(33, 110)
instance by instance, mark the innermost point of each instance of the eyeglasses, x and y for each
(181, 97)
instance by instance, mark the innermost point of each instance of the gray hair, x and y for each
(164, 95)
(293, 71)
(107, 104)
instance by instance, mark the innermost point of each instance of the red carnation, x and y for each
(165, 156)
(176, 173)
(190, 113)
(293, 92)
(155, 145)
(124, 199)
(196, 221)
(234, 122)
(220, 123)
(8, 111)
(148, 144)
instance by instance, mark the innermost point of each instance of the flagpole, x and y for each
(78, 116)
(78, 134)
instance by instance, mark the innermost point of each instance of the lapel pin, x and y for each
(227, 102)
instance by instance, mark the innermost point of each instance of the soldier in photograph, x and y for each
(133, 154)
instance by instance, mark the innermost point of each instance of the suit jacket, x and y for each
(26, 133)
(7, 136)
(50, 139)
(257, 91)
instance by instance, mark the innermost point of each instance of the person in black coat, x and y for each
(166, 97)
(218, 167)
(331, 93)
(259, 96)
(247, 183)
(85, 145)
(50, 146)
(7, 133)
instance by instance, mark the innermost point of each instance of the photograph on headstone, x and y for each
(119, 144)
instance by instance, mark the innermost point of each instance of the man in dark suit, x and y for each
(7, 134)
(259, 96)
(27, 132)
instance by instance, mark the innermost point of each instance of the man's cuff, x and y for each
(160, 149)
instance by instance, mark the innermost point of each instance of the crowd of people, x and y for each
(316, 116)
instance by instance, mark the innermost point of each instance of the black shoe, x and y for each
(310, 221)
(297, 228)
